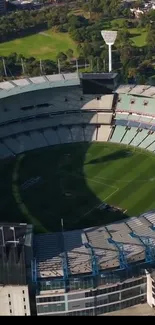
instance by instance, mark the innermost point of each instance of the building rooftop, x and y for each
(10, 233)
(105, 243)
(13, 258)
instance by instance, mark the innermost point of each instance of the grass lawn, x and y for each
(45, 45)
(74, 180)
(138, 36)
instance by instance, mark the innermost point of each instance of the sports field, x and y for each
(73, 181)
(44, 45)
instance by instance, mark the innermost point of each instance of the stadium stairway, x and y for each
(145, 138)
(141, 134)
(126, 130)
(131, 132)
(147, 141)
(151, 147)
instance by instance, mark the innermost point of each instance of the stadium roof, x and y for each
(80, 245)
(16, 86)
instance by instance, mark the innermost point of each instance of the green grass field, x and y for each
(75, 179)
(45, 45)
(138, 37)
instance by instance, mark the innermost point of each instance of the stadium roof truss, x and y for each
(34, 270)
(65, 266)
(122, 255)
(94, 261)
(149, 247)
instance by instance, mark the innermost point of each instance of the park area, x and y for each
(47, 44)
(44, 45)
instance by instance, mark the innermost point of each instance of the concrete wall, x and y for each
(14, 301)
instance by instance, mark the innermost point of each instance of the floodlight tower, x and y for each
(109, 37)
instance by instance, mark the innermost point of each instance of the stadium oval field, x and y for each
(70, 161)
(75, 181)
(66, 155)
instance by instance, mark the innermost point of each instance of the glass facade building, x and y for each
(84, 299)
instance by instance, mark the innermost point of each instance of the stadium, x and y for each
(79, 167)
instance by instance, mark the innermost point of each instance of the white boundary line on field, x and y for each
(97, 206)
(127, 181)
(102, 183)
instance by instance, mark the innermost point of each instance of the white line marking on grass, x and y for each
(127, 181)
(97, 206)
(102, 183)
(105, 199)
(95, 181)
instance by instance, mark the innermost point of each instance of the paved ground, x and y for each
(139, 310)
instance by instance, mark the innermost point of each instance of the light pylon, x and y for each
(109, 37)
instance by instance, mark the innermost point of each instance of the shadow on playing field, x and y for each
(113, 156)
(63, 191)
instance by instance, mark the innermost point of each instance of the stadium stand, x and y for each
(140, 136)
(118, 133)
(25, 142)
(104, 118)
(147, 141)
(77, 134)
(101, 103)
(129, 135)
(4, 151)
(151, 147)
(103, 132)
(121, 116)
(124, 89)
(13, 145)
(138, 89)
(135, 104)
(51, 136)
(73, 271)
(90, 133)
(146, 119)
(149, 92)
(38, 139)
(64, 135)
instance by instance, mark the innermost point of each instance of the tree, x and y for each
(132, 72)
(152, 80)
(126, 54)
(62, 57)
(69, 54)
(150, 39)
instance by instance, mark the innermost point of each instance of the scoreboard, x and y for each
(99, 83)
